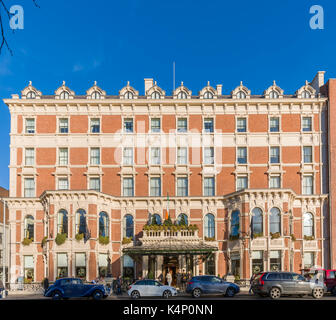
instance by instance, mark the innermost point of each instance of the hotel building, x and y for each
(242, 179)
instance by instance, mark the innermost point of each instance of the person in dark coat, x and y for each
(179, 280)
(118, 285)
(251, 281)
(45, 284)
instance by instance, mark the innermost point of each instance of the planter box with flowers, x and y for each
(275, 235)
(60, 238)
(293, 237)
(257, 235)
(309, 238)
(209, 239)
(27, 241)
(127, 240)
(104, 240)
(79, 236)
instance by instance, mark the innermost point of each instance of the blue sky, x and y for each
(112, 42)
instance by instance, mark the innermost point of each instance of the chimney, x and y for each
(318, 81)
(148, 84)
(219, 89)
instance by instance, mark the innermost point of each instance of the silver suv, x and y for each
(276, 284)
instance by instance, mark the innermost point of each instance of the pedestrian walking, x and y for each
(184, 280)
(2, 288)
(45, 284)
(169, 278)
(251, 281)
(119, 285)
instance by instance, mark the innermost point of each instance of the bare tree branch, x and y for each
(4, 9)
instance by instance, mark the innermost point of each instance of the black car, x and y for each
(75, 288)
(276, 284)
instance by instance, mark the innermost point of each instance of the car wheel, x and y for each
(135, 294)
(230, 292)
(318, 293)
(275, 293)
(196, 293)
(333, 291)
(97, 295)
(56, 295)
(167, 294)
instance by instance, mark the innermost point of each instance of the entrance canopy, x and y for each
(164, 247)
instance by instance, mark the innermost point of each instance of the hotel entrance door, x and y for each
(171, 265)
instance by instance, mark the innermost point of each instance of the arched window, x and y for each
(64, 95)
(155, 95)
(305, 94)
(257, 221)
(62, 222)
(182, 95)
(241, 95)
(128, 226)
(103, 224)
(208, 95)
(273, 94)
(182, 219)
(80, 221)
(129, 95)
(235, 223)
(95, 95)
(308, 224)
(209, 226)
(156, 219)
(275, 221)
(31, 95)
(29, 227)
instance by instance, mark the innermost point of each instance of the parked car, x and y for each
(199, 285)
(328, 276)
(66, 288)
(150, 288)
(276, 284)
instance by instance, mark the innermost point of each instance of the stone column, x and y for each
(184, 262)
(144, 266)
(158, 269)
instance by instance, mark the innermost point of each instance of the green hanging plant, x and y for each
(27, 241)
(104, 240)
(60, 238)
(44, 241)
(127, 240)
(79, 236)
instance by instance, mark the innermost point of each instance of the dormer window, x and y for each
(31, 95)
(305, 94)
(182, 95)
(129, 95)
(208, 95)
(95, 95)
(64, 95)
(155, 95)
(241, 95)
(273, 95)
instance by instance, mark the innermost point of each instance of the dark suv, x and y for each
(275, 284)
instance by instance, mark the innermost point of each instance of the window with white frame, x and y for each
(30, 125)
(208, 95)
(209, 186)
(305, 94)
(156, 125)
(308, 260)
(182, 155)
(241, 182)
(95, 95)
(28, 262)
(274, 155)
(63, 157)
(182, 125)
(308, 224)
(155, 155)
(155, 95)
(94, 184)
(31, 95)
(128, 156)
(80, 265)
(94, 156)
(241, 95)
(128, 187)
(64, 95)
(95, 125)
(103, 264)
(242, 155)
(182, 95)
(307, 154)
(306, 124)
(241, 125)
(273, 94)
(275, 181)
(182, 186)
(128, 125)
(29, 156)
(208, 155)
(29, 187)
(62, 265)
(63, 125)
(155, 187)
(275, 220)
(274, 124)
(307, 184)
(63, 184)
(275, 260)
(129, 95)
(208, 125)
